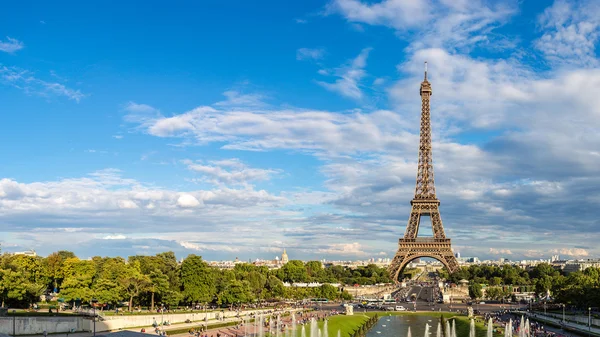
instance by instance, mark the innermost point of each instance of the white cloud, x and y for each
(570, 32)
(115, 237)
(441, 23)
(235, 98)
(230, 171)
(11, 45)
(495, 251)
(349, 77)
(127, 204)
(573, 252)
(310, 54)
(187, 200)
(27, 82)
(354, 248)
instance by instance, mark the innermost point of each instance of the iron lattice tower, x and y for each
(425, 202)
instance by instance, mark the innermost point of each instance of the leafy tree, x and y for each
(198, 280)
(134, 282)
(294, 271)
(475, 291)
(78, 277)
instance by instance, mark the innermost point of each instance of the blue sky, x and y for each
(233, 128)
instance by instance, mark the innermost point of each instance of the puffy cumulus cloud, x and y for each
(441, 23)
(354, 248)
(106, 198)
(186, 200)
(572, 252)
(495, 251)
(230, 171)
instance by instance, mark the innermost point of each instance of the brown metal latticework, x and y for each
(425, 202)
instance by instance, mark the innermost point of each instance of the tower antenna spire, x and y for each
(425, 70)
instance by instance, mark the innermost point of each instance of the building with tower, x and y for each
(284, 257)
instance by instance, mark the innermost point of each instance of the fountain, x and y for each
(453, 328)
(303, 332)
(490, 328)
(325, 329)
(426, 330)
(314, 327)
(448, 329)
(508, 329)
(408, 334)
(438, 333)
(339, 333)
(527, 327)
(260, 327)
(472, 328)
(293, 332)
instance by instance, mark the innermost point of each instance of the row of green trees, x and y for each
(580, 289)
(146, 280)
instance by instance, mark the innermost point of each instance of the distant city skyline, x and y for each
(235, 130)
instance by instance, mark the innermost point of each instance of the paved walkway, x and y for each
(580, 328)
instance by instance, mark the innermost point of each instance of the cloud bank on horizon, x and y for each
(297, 127)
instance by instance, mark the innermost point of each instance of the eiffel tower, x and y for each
(425, 202)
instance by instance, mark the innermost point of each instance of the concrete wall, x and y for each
(64, 324)
(370, 290)
(572, 318)
(37, 325)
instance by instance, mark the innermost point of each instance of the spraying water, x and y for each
(325, 329)
(508, 329)
(448, 329)
(453, 328)
(314, 327)
(527, 332)
(472, 328)
(261, 324)
(522, 327)
(426, 330)
(490, 328)
(438, 333)
(339, 333)
(293, 332)
(408, 334)
(303, 332)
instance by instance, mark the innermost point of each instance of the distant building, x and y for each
(457, 255)
(580, 265)
(31, 253)
(284, 257)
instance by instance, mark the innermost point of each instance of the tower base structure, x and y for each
(410, 249)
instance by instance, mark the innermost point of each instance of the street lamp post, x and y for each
(94, 301)
(544, 308)
(563, 314)
(162, 317)
(589, 321)
(14, 322)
